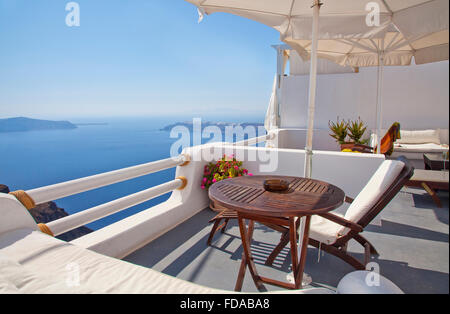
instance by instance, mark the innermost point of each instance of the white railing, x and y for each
(61, 190)
(256, 140)
(74, 221)
(57, 191)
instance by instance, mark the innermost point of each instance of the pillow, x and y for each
(419, 137)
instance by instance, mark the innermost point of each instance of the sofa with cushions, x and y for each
(414, 143)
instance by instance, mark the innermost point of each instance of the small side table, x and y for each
(435, 162)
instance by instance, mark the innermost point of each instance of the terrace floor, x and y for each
(412, 238)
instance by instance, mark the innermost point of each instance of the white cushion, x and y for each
(382, 179)
(42, 254)
(6, 287)
(43, 262)
(443, 134)
(327, 232)
(324, 230)
(16, 278)
(420, 148)
(419, 137)
(14, 215)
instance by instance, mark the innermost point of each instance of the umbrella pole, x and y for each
(280, 72)
(312, 89)
(380, 100)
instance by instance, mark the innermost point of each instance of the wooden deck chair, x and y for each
(332, 232)
(387, 142)
(225, 215)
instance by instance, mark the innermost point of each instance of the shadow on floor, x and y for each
(183, 252)
(398, 229)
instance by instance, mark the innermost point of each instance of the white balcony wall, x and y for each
(415, 96)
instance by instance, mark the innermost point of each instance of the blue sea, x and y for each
(38, 158)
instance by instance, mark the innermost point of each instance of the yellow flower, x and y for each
(347, 150)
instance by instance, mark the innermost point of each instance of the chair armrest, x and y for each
(363, 148)
(343, 222)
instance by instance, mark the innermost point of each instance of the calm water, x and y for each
(34, 159)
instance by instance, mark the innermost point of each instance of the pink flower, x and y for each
(203, 187)
(214, 181)
(204, 180)
(250, 174)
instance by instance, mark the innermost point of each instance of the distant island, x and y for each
(22, 124)
(220, 125)
(91, 124)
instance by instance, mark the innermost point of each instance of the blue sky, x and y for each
(131, 58)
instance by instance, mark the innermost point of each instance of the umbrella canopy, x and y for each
(338, 18)
(397, 50)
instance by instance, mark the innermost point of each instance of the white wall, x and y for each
(296, 139)
(415, 96)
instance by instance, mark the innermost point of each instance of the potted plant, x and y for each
(339, 129)
(225, 168)
(356, 130)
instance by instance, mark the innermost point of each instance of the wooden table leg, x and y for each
(243, 267)
(432, 194)
(293, 240)
(247, 259)
(298, 273)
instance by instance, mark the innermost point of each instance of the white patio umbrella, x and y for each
(339, 19)
(393, 49)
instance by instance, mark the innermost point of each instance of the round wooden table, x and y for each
(304, 198)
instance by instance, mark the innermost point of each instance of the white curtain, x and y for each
(271, 121)
(272, 116)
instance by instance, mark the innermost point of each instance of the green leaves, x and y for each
(353, 129)
(356, 131)
(339, 129)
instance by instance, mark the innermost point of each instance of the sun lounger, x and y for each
(430, 181)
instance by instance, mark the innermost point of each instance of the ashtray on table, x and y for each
(276, 185)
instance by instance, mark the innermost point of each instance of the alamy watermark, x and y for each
(73, 275)
(73, 17)
(222, 139)
(373, 277)
(373, 17)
